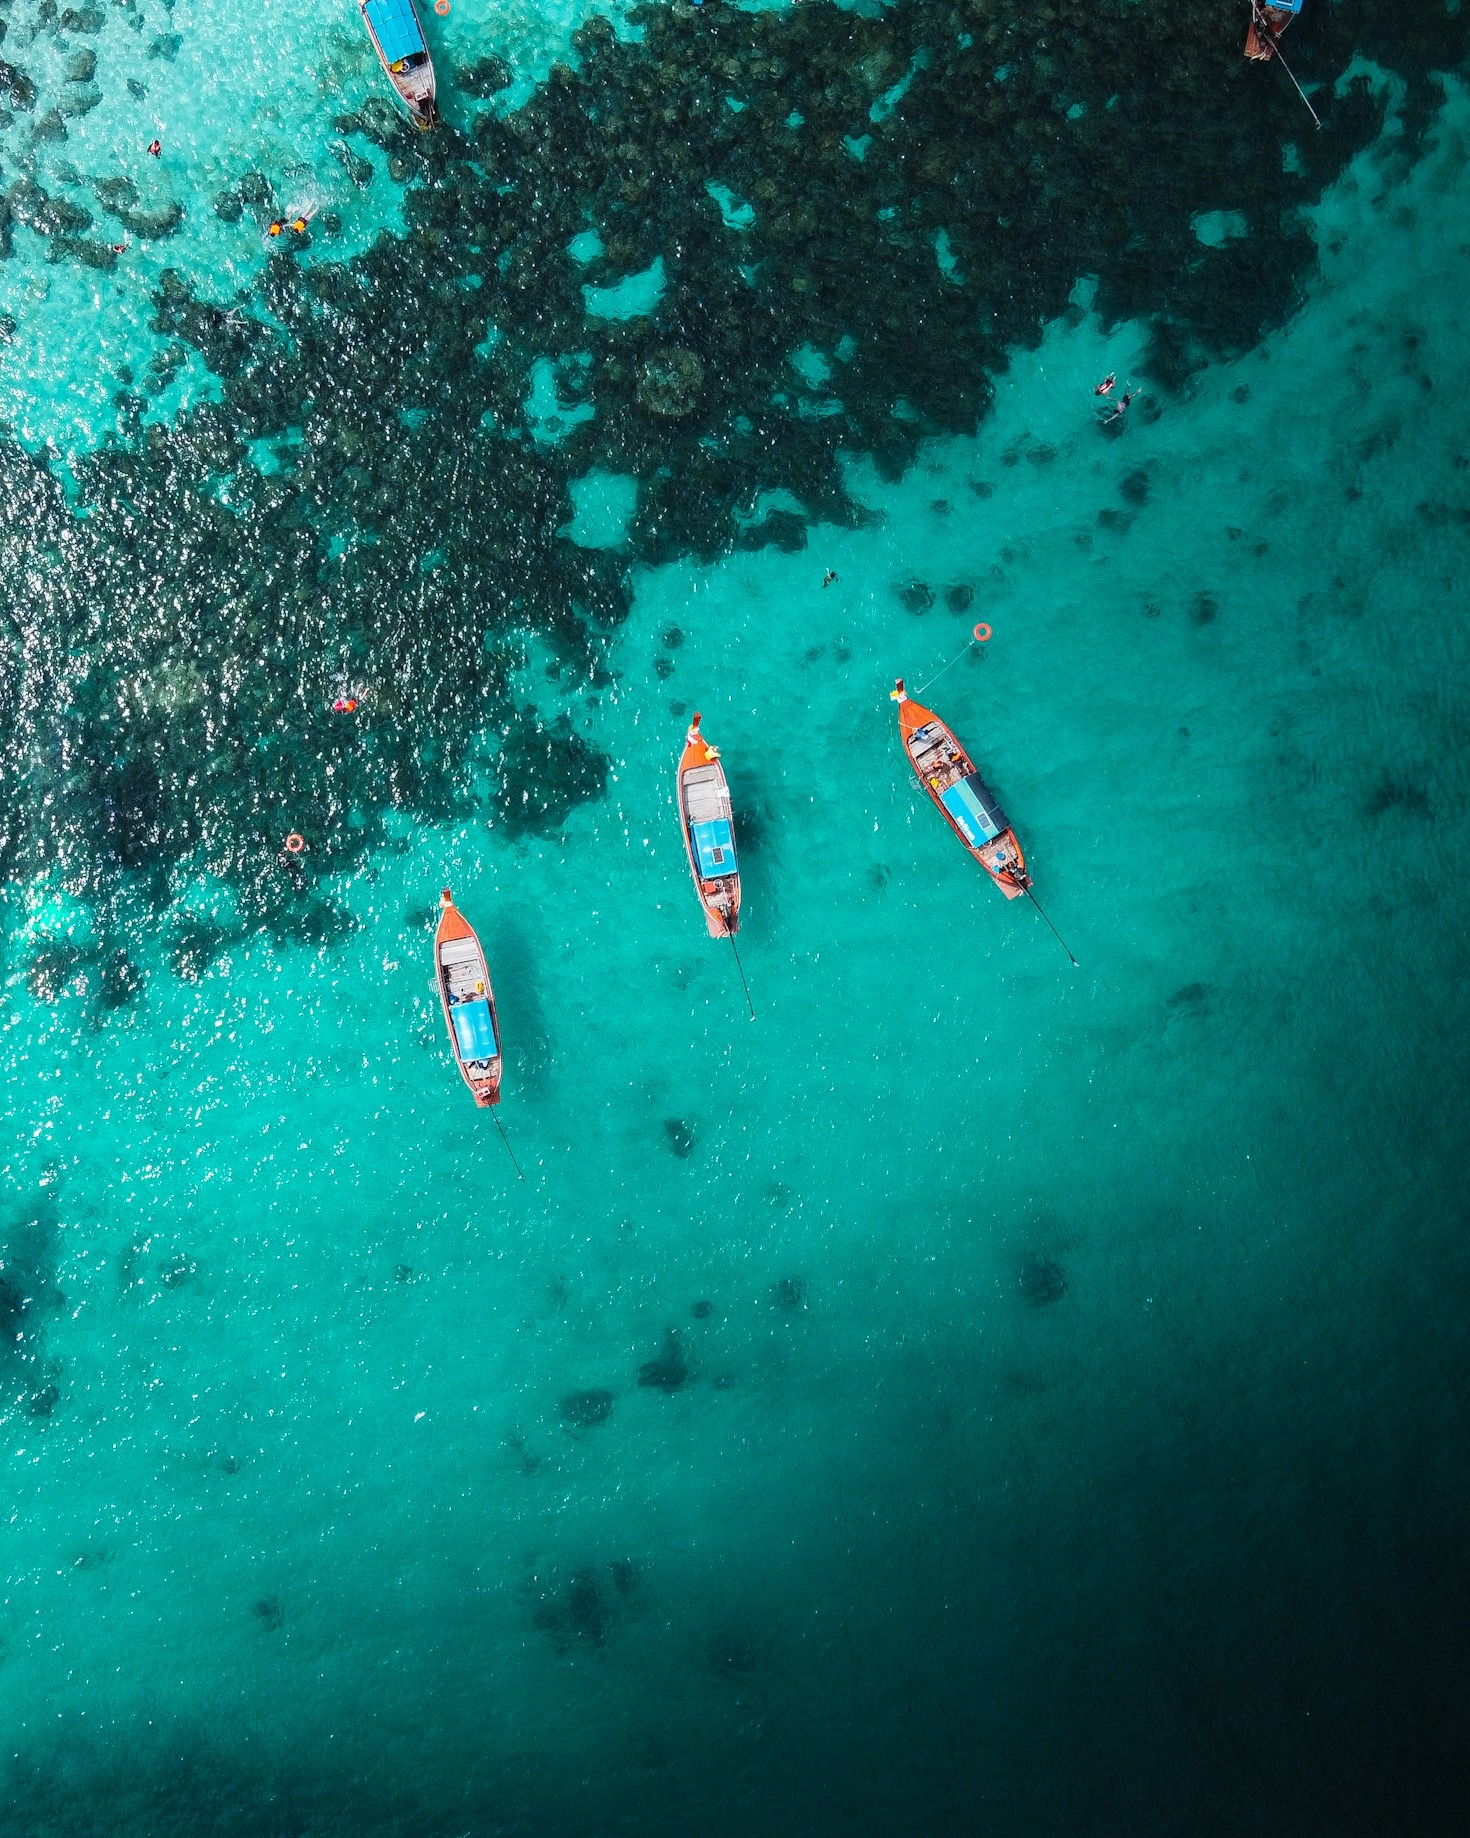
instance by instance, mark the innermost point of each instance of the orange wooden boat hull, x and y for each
(463, 977)
(707, 819)
(947, 773)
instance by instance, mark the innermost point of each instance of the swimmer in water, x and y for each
(829, 577)
(155, 147)
(1105, 388)
(1120, 408)
(296, 219)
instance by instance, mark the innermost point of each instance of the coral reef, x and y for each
(582, 1610)
(1040, 1281)
(899, 201)
(679, 1137)
(669, 1371)
(584, 1410)
(29, 1247)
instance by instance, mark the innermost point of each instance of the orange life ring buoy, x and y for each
(295, 843)
(441, 7)
(982, 633)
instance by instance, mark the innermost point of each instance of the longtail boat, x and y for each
(962, 797)
(469, 1002)
(708, 820)
(1266, 26)
(398, 39)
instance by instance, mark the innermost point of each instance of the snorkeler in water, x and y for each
(298, 224)
(1120, 407)
(1105, 388)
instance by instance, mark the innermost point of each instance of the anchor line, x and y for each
(506, 1140)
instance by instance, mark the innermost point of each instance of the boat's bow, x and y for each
(911, 715)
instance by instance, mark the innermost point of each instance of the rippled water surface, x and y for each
(975, 1394)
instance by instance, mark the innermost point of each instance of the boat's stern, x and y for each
(722, 909)
(1266, 26)
(422, 99)
(1003, 861)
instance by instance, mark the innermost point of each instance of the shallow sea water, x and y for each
(1063, 1371)
(221, 99)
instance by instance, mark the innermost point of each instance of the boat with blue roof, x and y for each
(398, 39)
(463, 977)
(708, 820)
(947, 773)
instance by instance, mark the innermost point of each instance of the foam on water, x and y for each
(1068, 1332)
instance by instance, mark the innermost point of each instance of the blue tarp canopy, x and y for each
(395, 28)
(474, 1030)
(714, 848)
(980, 818)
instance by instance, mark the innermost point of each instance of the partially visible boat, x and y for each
(398, 39)
(1266, 26)
(469, 1002)
(945, 770)
(708, 820)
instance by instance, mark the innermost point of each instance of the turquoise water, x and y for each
(974, 1395)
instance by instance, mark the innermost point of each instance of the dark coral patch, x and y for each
(119, 981)
(669, 1371)
(1134, 488)
(679, 1137)
(584, 1410)
(583, 1610)
(1397, 791)
(789, 1295)
(1041, 1281)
